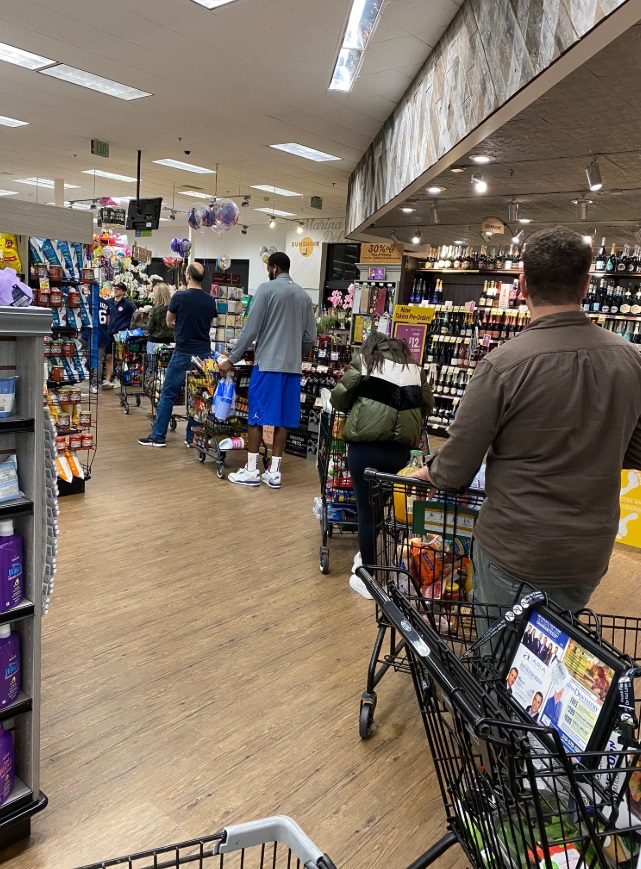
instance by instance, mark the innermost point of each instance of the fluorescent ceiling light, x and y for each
(11, 122)
(278, 191)
(525, 220)
(10, 54)
(186, 167)
(8, 192)
(406, 209)
(360, 26)
(435, 190)
(195, 194)
(276, 212)
(44, 182)
(303, 151)
(98, 173)
(94, 82)
(213, 4)
(481, 158)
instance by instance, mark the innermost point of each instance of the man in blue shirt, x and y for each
(553, 707)
(121, 310)
(190, 313)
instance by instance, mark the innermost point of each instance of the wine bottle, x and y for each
(599, 262)
(611, 262)
(482, 260)
(635, 308)
(624, 259)
(615, 301)
(626, 301)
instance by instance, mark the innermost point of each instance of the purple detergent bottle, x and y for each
(11, 582)
(7, 764)
(9, 666)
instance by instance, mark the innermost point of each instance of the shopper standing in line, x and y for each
(558, 411)
(191, 314)
(158, 332)
(121, 310)
(387, 394)
(281, 321)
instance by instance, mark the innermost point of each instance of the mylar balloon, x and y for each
(226, 213)
(175, 245)
(193, 217)
(207, 217)
(223, 263)
(185, 246)
(172, 262)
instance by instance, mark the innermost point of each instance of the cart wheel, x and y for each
(122, 400)
(220, 472)
(125, 407)
(330, 529)
(137, 401)
(324, 560)
(201, 457)
(366, 716)
(173, 423)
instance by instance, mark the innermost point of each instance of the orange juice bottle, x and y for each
(403, 496)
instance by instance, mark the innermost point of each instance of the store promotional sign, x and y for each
(383, 254)
(377, 273)
(306, 250)
(411, 323)
(630, 503)
(494, 225)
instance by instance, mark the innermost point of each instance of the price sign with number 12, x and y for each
(415, 337)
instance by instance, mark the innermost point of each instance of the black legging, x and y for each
(386, 456)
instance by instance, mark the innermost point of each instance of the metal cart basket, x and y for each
(129, 354)
(423, 545)
(513, 795)
(155, 368)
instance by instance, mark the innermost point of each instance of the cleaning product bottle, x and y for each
(10, 566)
(403, 496)
(7, 762)
(9, 666)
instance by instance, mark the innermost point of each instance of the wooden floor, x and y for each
(199, 670)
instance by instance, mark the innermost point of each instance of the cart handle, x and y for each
(454, 692)
(373, 475)
(278, 828)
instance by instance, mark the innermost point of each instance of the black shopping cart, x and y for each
(527, 778)
(423, 546)
(155, 369)
(129, 354)
(336, 505)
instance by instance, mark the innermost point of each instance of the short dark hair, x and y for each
(280, 260)
(196, 272)
(556, 263)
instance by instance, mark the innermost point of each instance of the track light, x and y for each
(434, 215)
(516, 238)
(587, 239)
(512, 211)
(243, 230)
(480, 184)
(416, 238)
(172, 216)
(300, 227)
(272, 223)
(245, 202)
(582, 207)
(94, 205)
(594, 177)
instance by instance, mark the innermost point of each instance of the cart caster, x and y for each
(366, 716)
(330, 530)
(137, 401)
(121, 400)
(173, 423)
(125, 407)
(220, 472)
(324, 560)
(201, 457)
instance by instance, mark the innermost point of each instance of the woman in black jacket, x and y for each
(158, 332)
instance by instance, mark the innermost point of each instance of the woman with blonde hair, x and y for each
(158, 332)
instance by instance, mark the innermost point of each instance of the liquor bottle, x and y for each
(635, 307)
(601, 257)
(467, 259)
(615, 301)
(606, 300)
(514, 293)
(509, 260)
(611, 262)
(491, 260)
(600, 296)
(483, 299)
(458, 261)
(632, 262)
(482, 260)
(624, 259)
(626, 301)
(499, 263)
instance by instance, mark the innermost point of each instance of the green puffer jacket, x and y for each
(388, 405)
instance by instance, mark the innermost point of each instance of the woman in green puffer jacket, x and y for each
(387, 395)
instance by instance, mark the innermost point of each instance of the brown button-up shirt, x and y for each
(557, 409)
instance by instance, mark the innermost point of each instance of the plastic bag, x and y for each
(225, 398)
(13, 291)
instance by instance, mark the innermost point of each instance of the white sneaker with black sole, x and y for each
(245, 478)
(359, 586)
(272, 479)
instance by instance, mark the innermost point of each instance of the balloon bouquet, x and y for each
(178, 263)
(221, 216)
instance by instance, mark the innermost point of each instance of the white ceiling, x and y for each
(227, 82)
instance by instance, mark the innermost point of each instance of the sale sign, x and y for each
(411, 323)
(415, 337)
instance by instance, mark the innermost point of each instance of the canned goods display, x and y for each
(75, 395)
(68, 348)
(55, 298)
(84, 418)
(73, 298)
(75, 442)
(64, 421)
(57, 373)
(43, 299)
(87, 441)
(64, 395)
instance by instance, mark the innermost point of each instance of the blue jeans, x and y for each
(179, 365)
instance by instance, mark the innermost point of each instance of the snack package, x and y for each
(70, 266)
(9, 252)
(7, 396)
(12, 291)
(63, 468)
(35, 251)
(49, 252)
(9, 486)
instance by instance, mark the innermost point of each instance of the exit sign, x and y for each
(100, 149)
(316, 202)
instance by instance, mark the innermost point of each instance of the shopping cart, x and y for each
(515, 793)
(155, 368)
(271, 843)
(336, 506)
(129, 354)
(423, 541)
(212, 437)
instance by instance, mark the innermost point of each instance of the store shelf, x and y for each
(20, 793)
(19, 507)
(516, 272)
(446, 395)
(22, 704)
(65, 330)
(58, 383)
(24, 610)
(15, 424)
(438, 430)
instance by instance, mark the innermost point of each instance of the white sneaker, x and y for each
(93, 389)
(359, 586)
(358, 562)
(271, 479)
(107, 384)
(245, 477)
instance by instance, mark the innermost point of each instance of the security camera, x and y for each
(172, 216)
(187, 152)
(245, 202)
(243, 231)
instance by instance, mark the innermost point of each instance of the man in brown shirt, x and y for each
(557, 410)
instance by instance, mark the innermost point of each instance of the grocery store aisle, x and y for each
(199, 670)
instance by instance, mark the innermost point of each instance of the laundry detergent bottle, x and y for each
(11, 582)
(7, 763)
(9, 666)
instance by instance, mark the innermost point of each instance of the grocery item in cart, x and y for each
(404, 498)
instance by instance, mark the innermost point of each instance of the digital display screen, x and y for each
(559, 682)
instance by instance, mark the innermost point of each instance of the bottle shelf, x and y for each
(439, 430)
(15, 424)
(445, 395)
(22, 704)
(65, 330)
(24, 610)
(17, 507)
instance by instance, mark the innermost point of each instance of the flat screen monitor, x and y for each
(144, 213)
(563, 680)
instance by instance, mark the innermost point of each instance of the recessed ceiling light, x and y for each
(186, 167)
(10, 54)
(276, 212)
(8, 192)
(98, 173)
(479, 182)
(525, 220)
(416, 238)
(94, 82)
(44, 182)
(406, 209)
(481, 158)
(303, 151)
(213, 4)
(11, 122)
(460, 241)
(361, 24)
(457, 169)
(434, 191)
(195, 194)
(277, 191)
